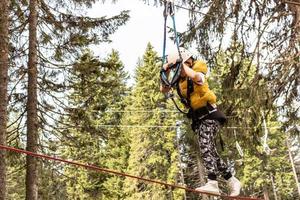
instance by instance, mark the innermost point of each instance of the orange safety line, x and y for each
(95, 168)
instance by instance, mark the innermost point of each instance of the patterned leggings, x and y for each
(206, 131)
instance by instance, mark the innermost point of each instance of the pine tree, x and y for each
(98, 87)
(31, 107)
(61, 33)
(232, 79)
(153, 152)
(4, 52)
(259, 27)
(266, 80)
(116, 150)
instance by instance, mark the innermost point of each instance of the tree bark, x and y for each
(4, 40)
(32, 118)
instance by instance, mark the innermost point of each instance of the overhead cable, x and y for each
(232, 22)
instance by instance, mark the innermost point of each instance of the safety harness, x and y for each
(176, 70)
(190, 89)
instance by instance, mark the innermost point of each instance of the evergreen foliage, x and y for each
(97, 88)
(153, 150)
(63, 30)
(233, 80)
(103, 122)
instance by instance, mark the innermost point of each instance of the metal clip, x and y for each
(169, 8)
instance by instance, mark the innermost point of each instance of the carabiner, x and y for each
(169, 8)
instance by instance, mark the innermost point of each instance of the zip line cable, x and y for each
(232, 22)
(117, 173)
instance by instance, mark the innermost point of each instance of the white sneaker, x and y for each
(210, 187)
(234, 185)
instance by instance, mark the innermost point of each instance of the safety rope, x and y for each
(177, 107)
(175, 68)
(169, 9)
(109, 171)
(171, 96)
(165, 33)
(176, 36)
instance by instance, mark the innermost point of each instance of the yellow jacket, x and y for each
(201, 94)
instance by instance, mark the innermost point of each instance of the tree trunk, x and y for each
(3, 90)
(32, 118)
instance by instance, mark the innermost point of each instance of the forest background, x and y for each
(61, 96)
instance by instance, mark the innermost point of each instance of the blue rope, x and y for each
(176, 35)
(169, 10)
(165, 38)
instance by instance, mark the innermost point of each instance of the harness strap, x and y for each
(190, 89)
(183, 100)
(169, 9)
(178, 106)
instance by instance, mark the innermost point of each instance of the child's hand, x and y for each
(166, 66)
(164, 88)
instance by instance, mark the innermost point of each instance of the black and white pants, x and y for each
(206, 131)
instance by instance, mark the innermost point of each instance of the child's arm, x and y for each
(197, 77)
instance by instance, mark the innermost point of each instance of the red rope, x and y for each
(95, 168)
